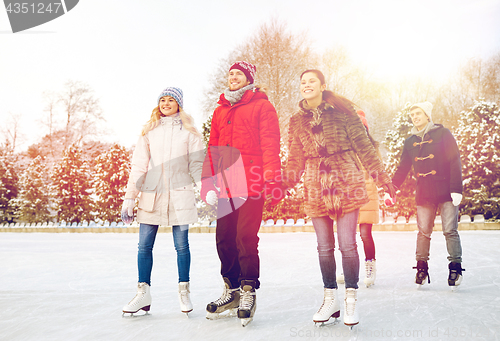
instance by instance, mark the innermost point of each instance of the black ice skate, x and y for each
(248, 302)
(455, 276)
(226, 305)
(422, 272)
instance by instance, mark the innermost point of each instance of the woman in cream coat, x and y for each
(166, 159)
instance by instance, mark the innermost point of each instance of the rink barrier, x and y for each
(268, 226)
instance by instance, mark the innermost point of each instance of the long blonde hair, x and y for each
(154, 121)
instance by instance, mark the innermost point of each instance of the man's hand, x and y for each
(273, 190)
(456, 198)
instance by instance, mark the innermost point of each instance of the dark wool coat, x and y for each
(244, 146)
(328, 145)
(436, 163)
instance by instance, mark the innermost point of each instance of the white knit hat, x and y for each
(426, 107)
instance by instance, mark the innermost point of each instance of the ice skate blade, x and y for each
(131, 315)
(246, 321)
(320, 324)
(224, 314)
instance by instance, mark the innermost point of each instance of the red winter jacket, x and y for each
(244, 146)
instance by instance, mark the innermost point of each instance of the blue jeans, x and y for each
(147, 236)
(346, 234)
(425, 221)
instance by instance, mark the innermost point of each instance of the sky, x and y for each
(129, 51)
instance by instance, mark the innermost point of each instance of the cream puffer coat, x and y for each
(165, 162)
(369, 213)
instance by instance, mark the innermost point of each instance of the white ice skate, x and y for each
(141, 301)
(370, 272)
(329, 308)
(226, 305)
(248, 302)
(351, 317)
(184, 300)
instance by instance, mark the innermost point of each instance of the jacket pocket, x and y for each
(147, 201)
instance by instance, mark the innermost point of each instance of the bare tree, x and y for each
(81, 110)
(11, 134)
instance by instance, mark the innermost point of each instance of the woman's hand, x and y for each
(211, 198)
(128, 211)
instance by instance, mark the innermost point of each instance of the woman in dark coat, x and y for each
(327, 142)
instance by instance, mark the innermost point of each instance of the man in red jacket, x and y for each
(242, 168)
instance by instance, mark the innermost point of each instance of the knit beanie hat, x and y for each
(361, 115)
(247, 68)
(175, 93)
(426, 107)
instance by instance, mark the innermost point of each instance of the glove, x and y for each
(211, 198)
(207, 186)
(391, 189)
(128, 211)
(456, 198)
(273, 190)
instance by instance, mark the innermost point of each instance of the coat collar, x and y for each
(306, 110)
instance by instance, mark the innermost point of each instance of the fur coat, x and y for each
(330, 148)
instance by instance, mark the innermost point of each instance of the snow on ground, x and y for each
(73, 286)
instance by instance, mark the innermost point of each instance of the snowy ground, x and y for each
(73, 286)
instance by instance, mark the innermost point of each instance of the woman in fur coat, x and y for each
(327, 142)
(168, 156)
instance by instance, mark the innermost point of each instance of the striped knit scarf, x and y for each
(235, 96)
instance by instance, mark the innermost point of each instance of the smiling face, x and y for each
(311, 88)
(237, 80)
(419, 118)
(168, 106)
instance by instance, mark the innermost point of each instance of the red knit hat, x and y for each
(247, 68)
(361, 115)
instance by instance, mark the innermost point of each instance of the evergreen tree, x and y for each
(478, 138)
(33, 199)
(72, 187)
(8, 187)
(111, 173)
(394, 140)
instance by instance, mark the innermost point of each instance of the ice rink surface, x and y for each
(73, 287)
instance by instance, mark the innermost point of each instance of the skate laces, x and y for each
(328, 301)
(141, 292)
(369, 269)
(225, 297)
(246, 299)
(184, 295)
(350, 299)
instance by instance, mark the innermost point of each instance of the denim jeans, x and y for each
(365, 230)
(346, 234)
(425, 221)
(147, 236)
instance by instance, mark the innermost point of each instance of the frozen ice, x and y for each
(72, 286)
